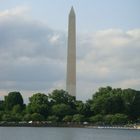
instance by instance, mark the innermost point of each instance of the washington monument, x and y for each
(71, 55)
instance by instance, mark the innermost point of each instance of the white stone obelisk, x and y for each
(71, 55)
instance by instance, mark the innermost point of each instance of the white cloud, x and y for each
(54, 39)
(33, 57)
(111, 58)
(130, 83)
(17, 11)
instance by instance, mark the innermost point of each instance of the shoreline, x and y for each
(65, 125)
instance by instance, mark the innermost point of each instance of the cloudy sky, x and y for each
(33, 45)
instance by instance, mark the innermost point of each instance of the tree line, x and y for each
(108, 106)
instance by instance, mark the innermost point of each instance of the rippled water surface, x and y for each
(47, 133)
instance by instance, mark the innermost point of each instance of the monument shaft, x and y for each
(71, 55)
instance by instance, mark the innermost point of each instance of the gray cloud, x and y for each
(33, 57)
(111, 58)
(31, 54)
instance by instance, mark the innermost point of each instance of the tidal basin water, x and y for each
(48, 133)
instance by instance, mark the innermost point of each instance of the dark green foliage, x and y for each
(17, 109)
(108, 119)
(132, 103)
(13, 98)
(97, 118)
(27, 117)
(107, 101)
(38, 104)
(52, 118)
(67, 118)
(80, 107)
(1, 105)
(78, 118)
(1, 114)
(61, 96)
(108, 106)
(116, 119)
(37, 117)
(61, 110)
(119, 119)
(7, 117)
(11, 118)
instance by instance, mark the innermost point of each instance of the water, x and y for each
(45, 133)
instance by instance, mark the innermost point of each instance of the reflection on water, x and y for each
(45, 133)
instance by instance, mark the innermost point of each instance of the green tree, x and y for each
(38, 104)
(53, 118)
(16, 109)
(1, 114)
(13, 98)
(114, 104)
(61, 96)
(102, 91)
(98, 105)
(61, 110)
(132, 103)
(97, 118)
(80, 107)
(1, 105)
(37, 117)
(116, 119)
(119, 119)
(7, 117)
(27, 117)
(78, 118)
(107, 101)
(108, 119)
(67, 118)
(17, 117)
